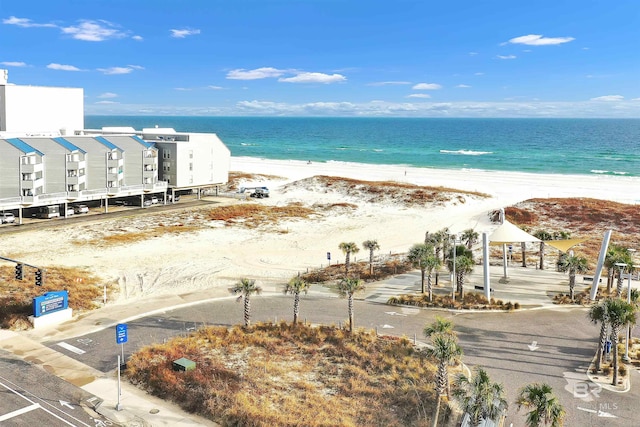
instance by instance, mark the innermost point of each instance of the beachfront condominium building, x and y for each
(47, 157)
(38, 110)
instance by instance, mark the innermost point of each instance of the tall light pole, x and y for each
(625, 358)
(621, 266)
(454, 280)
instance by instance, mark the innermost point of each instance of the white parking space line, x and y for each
(71, 348)
(19, 412)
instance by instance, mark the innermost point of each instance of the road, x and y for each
(32, 397)
(518, 348)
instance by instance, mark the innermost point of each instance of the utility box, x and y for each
(184, 364)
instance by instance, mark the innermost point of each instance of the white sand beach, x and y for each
(217, 256)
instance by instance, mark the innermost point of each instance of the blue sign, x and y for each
(50, 302)
(329, 256)
(121, 333)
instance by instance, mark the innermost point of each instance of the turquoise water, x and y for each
(563, 146)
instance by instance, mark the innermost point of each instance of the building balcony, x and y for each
(30, 184)
(31, 167)
(82, 164)
(115, 163)
(76, 180)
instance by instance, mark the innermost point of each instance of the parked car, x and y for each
(81, 209)
(70, 211)
(147, 202)
(7, 218)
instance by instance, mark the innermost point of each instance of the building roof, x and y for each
(23, 146)
(106, 143)
(69, 146)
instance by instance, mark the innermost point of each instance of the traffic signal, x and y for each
(19, 274)
(39, 277)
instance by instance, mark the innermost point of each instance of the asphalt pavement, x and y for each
(540, 343)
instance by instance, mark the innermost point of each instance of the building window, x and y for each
(191, 154)
(191, 166)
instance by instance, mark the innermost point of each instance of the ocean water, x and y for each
(562, 146)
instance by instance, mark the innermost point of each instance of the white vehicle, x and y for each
(258, 192)
(81, 209)
(7, 218)
(70, 211)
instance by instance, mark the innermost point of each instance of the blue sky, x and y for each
(408, 58)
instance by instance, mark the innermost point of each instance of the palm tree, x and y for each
(347, 287)
(296, 286)
(463, 266)
(348, 248)
(573, 264)
(422, 255)
(439, 326)
(445, 349)
(542, 235)
(545, 407)
(479, 397)
(439, 240)
(246, 288)
(624, 257)
(598, 314)
(523, 247)
(619, 312)
(615, 255)
(372, 245)
(470, 237)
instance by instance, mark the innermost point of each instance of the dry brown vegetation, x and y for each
(582, 217)
(470, 301)
(291, 375)
(385, 191)
(254, 215)
(85, 291)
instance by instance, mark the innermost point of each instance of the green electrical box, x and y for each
(184, 364)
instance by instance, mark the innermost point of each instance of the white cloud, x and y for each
(94, 31)
(478, 74)
(608, 98)
(539, 40)
(388, 83)
(183, 89)
(62, 67)
(105, 102)
(137, 38)
(108, 95)
(13, 64)
(115, 70)
(506, 57)
(462, 86)
(136, 67)
(427, 86)
(214, 87)
(473, 53)
(419, 95)
(258, 73)
(415, 108)
(24, 22)
(180, 34)
(314, 78)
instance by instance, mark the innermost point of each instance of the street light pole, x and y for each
(454, 280)
(621, 266)
(628, 338)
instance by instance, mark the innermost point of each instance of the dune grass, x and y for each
(291, 375)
